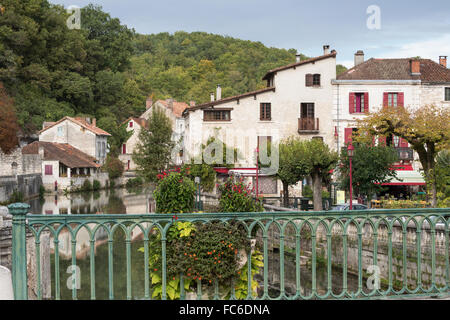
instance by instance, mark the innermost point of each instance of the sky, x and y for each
(381, 28)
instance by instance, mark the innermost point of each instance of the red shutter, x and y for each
(351, 103)
(385, 100)
(403, 143)
(401, 99)
(124, 148)
(382, 141)
(48, 170)
(131, 124)
(348, 135)
(366, 102)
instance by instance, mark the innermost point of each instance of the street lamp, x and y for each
(350, 150)
(199, 207)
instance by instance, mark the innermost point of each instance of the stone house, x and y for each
(173, 110)
(64, 166)
(297, 101)
(376, 83)
(81, 133)
(126, 151)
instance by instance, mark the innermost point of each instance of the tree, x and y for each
(371, 166)
(319, 160)
(427, 130)
(291, 166)
(113, 166)
(119, 133)
(8, 123)
(153, 152)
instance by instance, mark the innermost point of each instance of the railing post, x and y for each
(19, 250)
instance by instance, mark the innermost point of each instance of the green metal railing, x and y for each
(336, 244)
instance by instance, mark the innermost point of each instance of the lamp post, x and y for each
(197, 180)
(350, 150)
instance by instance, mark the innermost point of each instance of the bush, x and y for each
(205, 172)
(237, 197)
(134, 182)
(16, 196)
(87, 186)
(307, 192)
(114, 167)
(403, 204)
(41, 192)
(174, 193)
(96, 185)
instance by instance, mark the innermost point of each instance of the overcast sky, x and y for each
(407, 28)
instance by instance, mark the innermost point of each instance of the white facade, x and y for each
(129, 146)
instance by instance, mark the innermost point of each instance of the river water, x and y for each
(138, 201)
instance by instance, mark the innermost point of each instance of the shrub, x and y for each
(96, 185)
(174, 193)
(87, 186)
(307, 191)
(114, 167)
(134, 182)
(237, 197)
(41, 192)
(205, 172)
(16, 196)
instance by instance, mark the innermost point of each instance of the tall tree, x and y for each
(427, 130)
(292, 167)
(371, 166)
(153, 152)
(320, 160)
(8, 123)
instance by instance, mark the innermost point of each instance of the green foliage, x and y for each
(41, 192)
(442, 174)
(114, 167)
(16, 196)
(402, 204)
(119, 133)
(237, 197)
(307, 191)
(371, 166)
(174, 193)
(134, 182)
(96, 185)
(241, 288)
(205, 172)
(153, 151)
(86, 186)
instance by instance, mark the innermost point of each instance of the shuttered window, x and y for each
(48, 170)
(393, 99)
(309, 80)
(265, 111)
(447, 94)
(316, 80)
(312, 80)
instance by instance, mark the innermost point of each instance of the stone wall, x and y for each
(27, 184)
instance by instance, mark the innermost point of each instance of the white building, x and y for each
(297, 101)
(376, 83)
(81, 133)
(126, 152)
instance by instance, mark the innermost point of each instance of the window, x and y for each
(312, 80)
(60, 131)
(359, 102)
(216, 115)
(316, 80)
(447, 94)
(48, 170)
(124, 148)
(265, 111)
(393, 99)
(131, 124)
(307, 110)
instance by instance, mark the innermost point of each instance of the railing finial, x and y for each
(18, 208)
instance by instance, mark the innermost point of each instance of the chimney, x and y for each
(297, 57)
(359, 57)
(94, 122)
(218, 92)
(88, 120)
(443, 61)
(41, 151)
(212, 96)
(170, 104)
(148, 103)
(326, 49)
(192, 103)
(415, 66)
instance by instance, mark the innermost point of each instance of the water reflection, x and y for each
(114, 201)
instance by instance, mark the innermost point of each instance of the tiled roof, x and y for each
(296, 64)
(178, 107)
(62, 152)
(81, 122)
(140, 121)
(397, 69)
(228, 99)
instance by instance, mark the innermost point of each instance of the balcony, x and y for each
(405, 153)
(308, 125)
